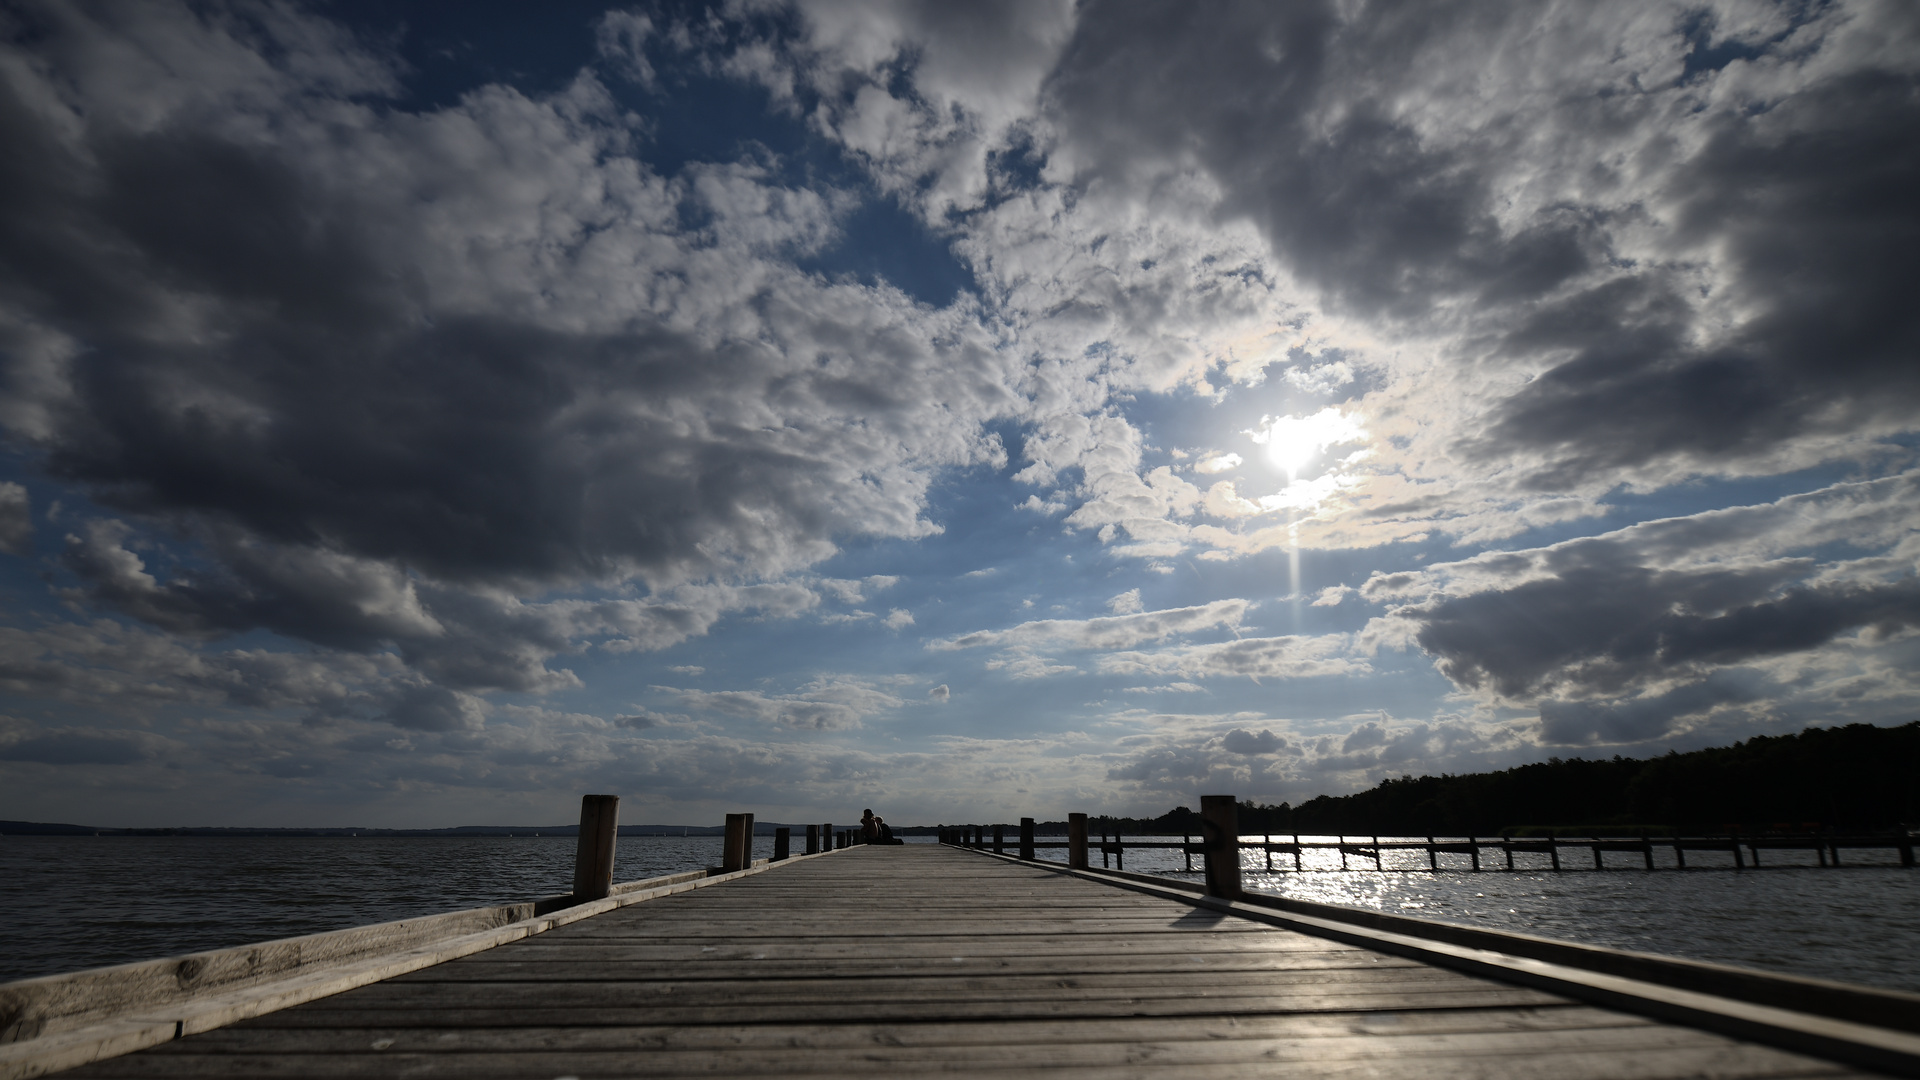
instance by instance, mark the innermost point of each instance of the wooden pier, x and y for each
(906, 961)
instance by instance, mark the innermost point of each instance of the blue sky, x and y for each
(422, 414)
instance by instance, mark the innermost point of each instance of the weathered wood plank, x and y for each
(248, 1038)
(1673, 1055)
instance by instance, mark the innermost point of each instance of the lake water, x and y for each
(80, 902)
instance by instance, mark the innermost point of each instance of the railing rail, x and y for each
(1744, 849)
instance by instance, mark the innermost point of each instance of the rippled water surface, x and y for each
(1859, 923)
(79, 902)
(89, 901)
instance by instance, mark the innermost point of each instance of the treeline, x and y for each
(1856, 777)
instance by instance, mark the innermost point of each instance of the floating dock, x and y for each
(921, 959)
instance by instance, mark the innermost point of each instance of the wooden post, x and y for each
(1296, 852)
(1646, 848)
(1679, 854)
(813, 839)
(1598, 862)
(1077, 841)
(1186, 848)
(1220, 837)
(737, 852)
(1341, 842)
(782, 842)
(1026, 838)
(1433, 857)
(999, 839)
(1473, 845)
(1739, 862)
(593, 855)
(1553, 851)
(1376, 853)
(1506, 844)
(826, 837)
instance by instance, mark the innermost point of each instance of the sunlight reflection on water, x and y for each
(1857, 924)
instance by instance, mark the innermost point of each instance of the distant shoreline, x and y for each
(43, 828)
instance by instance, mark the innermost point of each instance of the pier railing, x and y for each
(1222, 842)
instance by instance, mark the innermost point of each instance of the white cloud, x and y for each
(827, 704)
(1127, 603)
(1272, 657)
(1110, 632)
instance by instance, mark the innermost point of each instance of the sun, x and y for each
(1293, 442)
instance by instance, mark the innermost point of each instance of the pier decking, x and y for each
(926, 959)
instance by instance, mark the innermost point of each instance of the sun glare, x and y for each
(1293, 442)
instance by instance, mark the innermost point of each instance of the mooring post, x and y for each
(1026, 838)
(782, 843)
(593, 856)
(1077, 841)
(1598, 862)
(999, 839)
(736, 853)
(1553, 851)
(1433, 857)
(826, 837)
(1646, 848)
(1473, 852)
(1220, 840)
(813, 839)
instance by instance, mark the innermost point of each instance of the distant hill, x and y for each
(1856, 777)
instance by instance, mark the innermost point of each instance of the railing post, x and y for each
(593, 856)
(1220, 835)
(737, 852)
(826, 837)
(1077, 841)
(999, 839)
(782, 842)
(1026, 838)
(813, 839)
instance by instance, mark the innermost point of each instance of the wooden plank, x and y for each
(1671, 1054)
(902, 1012)
(249, 1037)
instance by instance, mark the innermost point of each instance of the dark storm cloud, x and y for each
(1343, 131)
(85, 746)
(1675, 599)
(366, 361)
(1813, 208)
(1359, 203)
(1609, 628)
(1580, 723)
